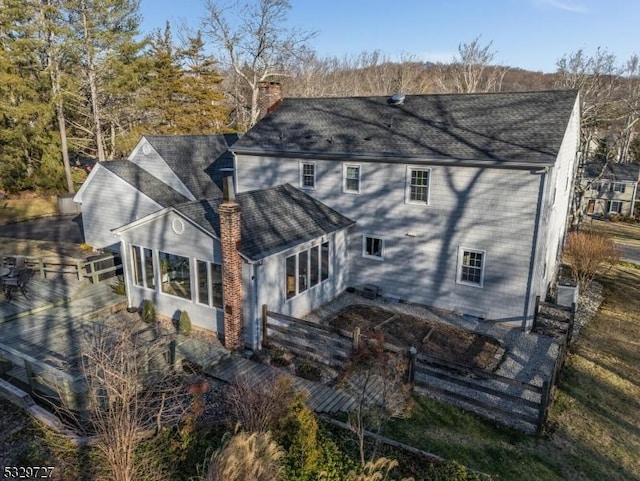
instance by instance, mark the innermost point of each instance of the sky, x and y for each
(529, 34)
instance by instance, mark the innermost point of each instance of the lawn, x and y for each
(15, 210)
(621, 232)
(593, 432)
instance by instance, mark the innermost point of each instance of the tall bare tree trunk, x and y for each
(91, 77)
(62, 126)
(56, 91)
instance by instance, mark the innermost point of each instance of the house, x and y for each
(459, 201)
(609, 189)
(454, 201)
(161, 171)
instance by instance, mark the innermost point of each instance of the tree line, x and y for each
(78, 80)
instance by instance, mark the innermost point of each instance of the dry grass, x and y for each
(593, 432)
(28, 247)
(597, 416)
(619, 231)
(246, 457)
(15, 210)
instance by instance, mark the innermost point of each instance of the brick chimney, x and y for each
(229, 212)
(269, 97)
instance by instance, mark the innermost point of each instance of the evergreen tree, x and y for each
(102, 27)
(29, 148)
(184, 90)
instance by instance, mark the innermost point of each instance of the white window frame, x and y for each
(364, 247)
(407, 190)
(296, 256)
(459, 279)
(618, 187)
(302, 175)
(345, 168)
(612, 210)
(140, 253)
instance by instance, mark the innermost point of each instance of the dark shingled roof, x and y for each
(614, 171)
(144, 182)
(489, 127)
(196, 160)
(272, 220)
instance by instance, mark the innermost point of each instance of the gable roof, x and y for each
(196, 160)
(143, 181)
(494, 128)
(272, 220)
(613, 171)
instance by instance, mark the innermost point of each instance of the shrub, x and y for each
(119, 287)
(148, 314)
(590, 254)
(278, 358)
(184, 324)
(452, 471)
(309, 371)
(258, 407)
(297, 433)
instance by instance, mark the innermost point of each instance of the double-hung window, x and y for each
(418, 183)
(471, 267)
(351, 178)
(307, 175)
(615, 207)
(617, 187)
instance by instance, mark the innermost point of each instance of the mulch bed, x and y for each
(429, 337)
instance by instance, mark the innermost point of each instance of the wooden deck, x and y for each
(42, 294)
(40, 335)
(321, 398)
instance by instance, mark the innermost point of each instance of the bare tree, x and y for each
(375, 379)
(472, 70)
(256, 42)
(131, 393)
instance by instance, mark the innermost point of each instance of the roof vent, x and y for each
(397, 99)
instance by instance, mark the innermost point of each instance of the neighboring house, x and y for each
(454, 201)
(609, 189)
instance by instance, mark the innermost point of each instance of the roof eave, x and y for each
(280, 250)
(417, 159)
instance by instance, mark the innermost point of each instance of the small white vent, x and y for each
(177, 226)
(146, 149)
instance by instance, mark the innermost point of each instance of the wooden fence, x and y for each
(525, 403)
(548, 395)
(96, 269)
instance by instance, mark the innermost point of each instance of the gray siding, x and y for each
(478, 208)
(559, 189)
(271, 279)
(193, 243)
(108, 203)
(156, 166)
